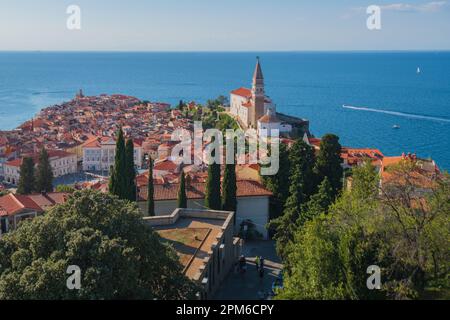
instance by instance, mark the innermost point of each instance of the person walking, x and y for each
(257, 261)
(261, 273)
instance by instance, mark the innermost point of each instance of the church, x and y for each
(253, 108)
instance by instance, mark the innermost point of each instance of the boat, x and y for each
(418, 70)
(396, 126)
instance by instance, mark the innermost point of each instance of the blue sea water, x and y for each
(382, 89)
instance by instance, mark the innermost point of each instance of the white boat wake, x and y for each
(399, 114)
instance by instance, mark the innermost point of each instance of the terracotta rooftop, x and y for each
(196, 190)
(269, 118)
(243, 92)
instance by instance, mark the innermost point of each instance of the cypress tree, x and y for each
(27, 179)
(44, 174)
(150, 192)
(182, 198)
(229, 187)
(212, 192)
(130, 171)
(118, 181)
(318, 204)
(279, 184)
(329, 163)
(301, 187)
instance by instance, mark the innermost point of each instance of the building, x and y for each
(204, 242)
(254, 109)
(62, 163)
(270, 122)
(99, 154)
(356, 156)
(15, 208)
(421, 175)
(252, 201)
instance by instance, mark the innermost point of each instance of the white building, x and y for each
(99, 154)
(270, 122)
(62, 163)
(250, 105)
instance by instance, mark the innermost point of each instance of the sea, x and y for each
(394, 101)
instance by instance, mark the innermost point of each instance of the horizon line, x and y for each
(231, 51)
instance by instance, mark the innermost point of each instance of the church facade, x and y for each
(253, 108)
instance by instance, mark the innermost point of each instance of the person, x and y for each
(261, 262)
(242, 263)
(257, 261)
(261, 272)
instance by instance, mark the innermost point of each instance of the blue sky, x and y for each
(230, 25)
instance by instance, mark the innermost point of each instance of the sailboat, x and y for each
(418, 70)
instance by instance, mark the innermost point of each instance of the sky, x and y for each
(230, 25)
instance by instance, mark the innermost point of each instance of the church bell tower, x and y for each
(258, 95)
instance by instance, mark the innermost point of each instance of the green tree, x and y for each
(44, 174)
(318, 203)
(229, 188)
(329, 254)
(212, 192)
(278, 184)
(365, 180)
(181, 105)
(120, 257)
(118, 180)
(150, 191)
(182, 198)
(130, 171)
(65, 188)
(27, 178)
(403, 231)
(329, 162)
(301, 187)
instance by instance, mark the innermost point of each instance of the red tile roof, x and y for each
(14, 163)
(165, 165)
(245, 188)
(51, 154)
(243, 92)
(269, 118)
(12, 204)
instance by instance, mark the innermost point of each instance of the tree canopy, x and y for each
(212, 193)
(150, 191)
(182, 198)
(405, 233)
(229, 188)
(44, 174)
(118, 183)
(329, 162)
(301, 187)
(120, 257)
(278, 183)
(27, 178)
(130, 171)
